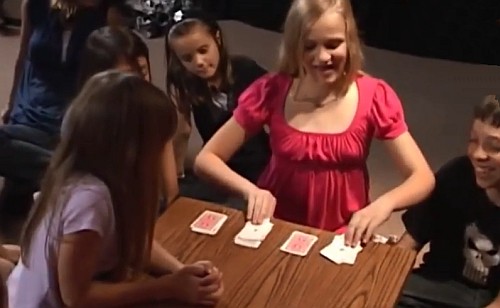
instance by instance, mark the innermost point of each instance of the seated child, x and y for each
(89, 236)
(461, 221)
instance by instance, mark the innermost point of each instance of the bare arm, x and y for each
(162, 262)
(182, 136)
(211, 161)
(78, 255)
(419, 179)
(418, 184)
(171, 186)
(408, 242)
(23, 49)
(10, 252)
(181, 141)
(495, 303)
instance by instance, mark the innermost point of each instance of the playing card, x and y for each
(208, 222)
(380, 239)
(377, 238)
(299, 243)
(252, 235)
(247, 243)
(339, 253)
(255, 232)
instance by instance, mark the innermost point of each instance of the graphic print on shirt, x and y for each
(480, 253)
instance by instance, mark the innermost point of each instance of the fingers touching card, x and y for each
(252, 235)
(339, 253)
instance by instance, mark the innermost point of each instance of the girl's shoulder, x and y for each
(88, 182)
(245, 66)
(241, 61)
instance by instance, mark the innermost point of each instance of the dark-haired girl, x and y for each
(205, 81)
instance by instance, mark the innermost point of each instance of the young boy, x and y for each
(461, 221)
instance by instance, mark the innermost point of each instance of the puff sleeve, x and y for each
(88, 208)
(387, 113)
(253, 110)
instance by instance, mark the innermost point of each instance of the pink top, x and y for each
(319, 179)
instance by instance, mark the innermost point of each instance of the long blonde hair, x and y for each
(116, 131)
(302, 14)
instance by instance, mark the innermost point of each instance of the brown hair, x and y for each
(186, 88)
(301, 15)
(116, 131)
(106, 47)
(488, 110)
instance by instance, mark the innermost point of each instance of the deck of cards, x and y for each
(209, 222)
(339, 253)
(380, 239)
(252, 235)
(299, 243)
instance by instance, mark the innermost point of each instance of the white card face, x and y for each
(331, 254)
(255, 232)
(339, 253)
(247, 243)
(377, 238)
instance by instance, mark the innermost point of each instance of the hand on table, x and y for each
(363, 222)
(261, 205)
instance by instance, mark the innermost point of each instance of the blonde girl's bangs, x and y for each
(302, 14)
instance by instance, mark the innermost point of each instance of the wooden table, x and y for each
(268, 277)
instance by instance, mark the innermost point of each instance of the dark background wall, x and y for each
(459, 30)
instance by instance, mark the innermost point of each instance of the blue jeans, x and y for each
(25, 152)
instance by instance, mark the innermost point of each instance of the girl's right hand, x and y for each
(261, 205)
(193, 284)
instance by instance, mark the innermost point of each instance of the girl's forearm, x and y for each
(211, 167)
(163, 262)
(101, 294)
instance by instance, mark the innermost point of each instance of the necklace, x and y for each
(317, 102)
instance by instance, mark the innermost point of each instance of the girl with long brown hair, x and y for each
(89, 235)
(204, 81)
(116, 47)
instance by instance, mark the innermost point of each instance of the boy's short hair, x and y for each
(488, 110)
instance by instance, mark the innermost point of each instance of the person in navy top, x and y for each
(52, 35)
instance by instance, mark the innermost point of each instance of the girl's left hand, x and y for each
(363, 222)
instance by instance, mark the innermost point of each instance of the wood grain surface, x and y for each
(268, 277)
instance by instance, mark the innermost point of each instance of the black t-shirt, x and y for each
(462, 226)
(254, 155)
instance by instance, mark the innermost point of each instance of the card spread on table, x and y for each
(380, 239)
(339, 253)
(299, 243)
(208, 222)
(252, 235)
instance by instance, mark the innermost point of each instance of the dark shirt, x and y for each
(462, 226)
(254, 155)
(48, 81)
